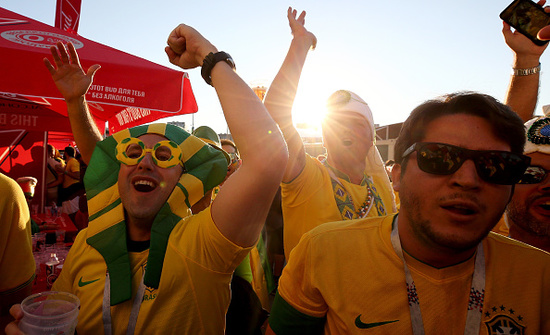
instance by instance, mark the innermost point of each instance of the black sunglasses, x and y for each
(533, 175)
(497, 167)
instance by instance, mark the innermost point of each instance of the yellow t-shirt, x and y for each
(344, 288)
(72, 166)
(193, 294)
(17, 265)
(309, 200)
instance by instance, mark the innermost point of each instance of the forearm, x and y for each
(264, 157)
(282, 91)
(246, 116)
(280, 99)
(85, 131)
(522, 94)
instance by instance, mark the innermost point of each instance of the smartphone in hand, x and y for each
(526, 17)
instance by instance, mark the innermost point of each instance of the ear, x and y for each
(396, 176)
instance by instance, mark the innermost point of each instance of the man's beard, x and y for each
(425, 229)
(520, 215)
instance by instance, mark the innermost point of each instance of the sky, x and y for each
(394, 55)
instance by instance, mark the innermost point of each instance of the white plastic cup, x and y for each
(49, 312)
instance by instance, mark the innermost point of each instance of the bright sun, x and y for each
(309, 109)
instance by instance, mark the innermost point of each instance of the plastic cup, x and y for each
(49, 312)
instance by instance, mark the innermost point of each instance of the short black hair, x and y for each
(507, 125)
(69, 151)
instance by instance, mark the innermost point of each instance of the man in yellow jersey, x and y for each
(351, 182)
(72, 188)
(528, 213)
(435, 267)
(16, 260)
(527, 216)
(145, 264)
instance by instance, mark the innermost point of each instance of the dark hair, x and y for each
(225, 141)
(507, 125)
(69, 151)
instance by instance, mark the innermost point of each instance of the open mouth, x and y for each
(545, 206)
(460, 209)
(144, 185)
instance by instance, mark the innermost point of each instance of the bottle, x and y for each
(54, 210)
(51, 274)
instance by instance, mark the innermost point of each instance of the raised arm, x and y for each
(73, 83)
(240, 209)
(523, 90)
(281, 93)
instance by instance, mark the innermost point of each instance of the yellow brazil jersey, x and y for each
(16, 260)
(193, 294)
(347, 288)
(73, 166)
(309, 200)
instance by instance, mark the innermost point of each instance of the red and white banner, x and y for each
(67, 15)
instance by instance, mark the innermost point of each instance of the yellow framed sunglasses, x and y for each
(165, 154)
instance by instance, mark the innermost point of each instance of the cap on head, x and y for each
(538, 135)
(209, 136)
(344, 101)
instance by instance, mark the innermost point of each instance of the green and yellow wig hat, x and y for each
(205, 167)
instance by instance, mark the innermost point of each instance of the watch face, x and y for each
(230, 61)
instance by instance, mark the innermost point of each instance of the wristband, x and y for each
(526, 72)
(210, 60)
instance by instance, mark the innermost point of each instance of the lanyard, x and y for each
(476, 296)
(107, 323)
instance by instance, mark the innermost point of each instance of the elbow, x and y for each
(273, 157)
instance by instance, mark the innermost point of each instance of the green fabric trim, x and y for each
(111, 244)
(264, 260)
(164, 222)
(212, 175)
(184, 190)
(34, 227)
(138, 130)
(286, 320)
(19, 287)
(96, 179)
(105, 210)
(244, 270)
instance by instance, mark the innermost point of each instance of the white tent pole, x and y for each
(44, 162)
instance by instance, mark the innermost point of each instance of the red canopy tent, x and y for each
(128, 90)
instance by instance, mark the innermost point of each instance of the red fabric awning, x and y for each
(123, 81)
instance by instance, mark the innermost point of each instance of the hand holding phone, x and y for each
(526, 17)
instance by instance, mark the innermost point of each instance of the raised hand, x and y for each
(187, 47)
(297, 26)
(519, 43)
(68, 75)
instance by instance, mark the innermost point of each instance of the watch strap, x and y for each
(527, 72)
(210, 60)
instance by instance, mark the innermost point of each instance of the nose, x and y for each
(466, 176)
(147, 162)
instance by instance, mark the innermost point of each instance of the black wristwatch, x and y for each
(210, 60)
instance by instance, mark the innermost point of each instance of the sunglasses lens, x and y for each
(134, 151)
(496, 167)
(439, 159)
(533, 175)
(163, 153)
(499, 167)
